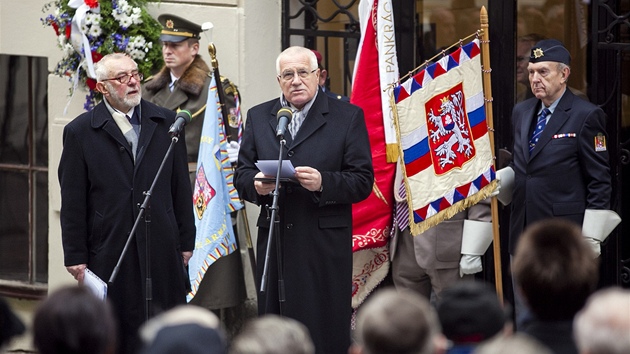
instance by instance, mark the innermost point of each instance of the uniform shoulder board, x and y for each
(229, 88)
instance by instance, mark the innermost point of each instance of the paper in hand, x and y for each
(270, 168)
(95, 284)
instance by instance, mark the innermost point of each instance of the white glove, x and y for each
(596, 245)
(469, 264)
(505, 179)
(232, 150)
(476, 237)
(597, 225)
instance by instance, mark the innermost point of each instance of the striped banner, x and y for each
(214, 195)
(444, 142)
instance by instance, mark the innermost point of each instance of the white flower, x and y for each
(136, 19)
(92, 19)
(126, 8)
(61, 39)
(125, 22)
(67, 49)
(95, 31)
(137, 41)
(135, 53)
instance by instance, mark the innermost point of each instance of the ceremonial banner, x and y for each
(376, 67)
(214, 195)
(444, 141)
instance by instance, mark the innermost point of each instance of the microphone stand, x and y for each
(145, 207)
(275, 220)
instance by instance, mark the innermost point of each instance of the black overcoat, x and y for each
(101, 190)
(315, 228)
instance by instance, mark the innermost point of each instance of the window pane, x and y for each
(40, 218)
(23, 169)
(40, 111)
(14, 246)
(441, 24)
(14, 109)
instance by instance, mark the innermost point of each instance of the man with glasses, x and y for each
(110, 158)
(183, 83)
(328, 144)
(560, 166)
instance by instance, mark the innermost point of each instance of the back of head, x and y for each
(72, 320)
(396, 322)
(555, 269)
(603, 326)
(10, 324)
(272, 334)
(470, 312)
(517, 343)
(184, 329)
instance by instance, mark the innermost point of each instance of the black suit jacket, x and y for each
(565, 173)
(315, 228)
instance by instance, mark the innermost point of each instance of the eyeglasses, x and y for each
(289, 75)
(125, 78)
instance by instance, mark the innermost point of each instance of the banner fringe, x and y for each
(485, 192)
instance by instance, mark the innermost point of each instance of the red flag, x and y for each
(376, 68)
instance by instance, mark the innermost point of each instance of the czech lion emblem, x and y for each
(449, 130)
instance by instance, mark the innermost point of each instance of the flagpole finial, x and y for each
(213, 56)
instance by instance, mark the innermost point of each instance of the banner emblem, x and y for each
(203, 192)
(449, 130)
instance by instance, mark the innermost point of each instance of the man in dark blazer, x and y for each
(567, 170)
(331, 152)
(108, 162)
(562, 171)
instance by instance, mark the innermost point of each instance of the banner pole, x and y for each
(487, 90)
(224, 114)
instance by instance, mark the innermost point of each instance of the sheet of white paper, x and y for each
(270, 168)
(95, 284)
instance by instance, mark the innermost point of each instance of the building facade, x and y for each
(248, 35)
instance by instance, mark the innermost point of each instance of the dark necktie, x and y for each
(135, 123)
(540, 125)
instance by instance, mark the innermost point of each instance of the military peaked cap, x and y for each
(176, 29)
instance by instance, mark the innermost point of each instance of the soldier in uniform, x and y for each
(181, 84)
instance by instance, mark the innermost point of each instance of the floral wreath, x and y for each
(98, 28)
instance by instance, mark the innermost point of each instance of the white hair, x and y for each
(603, 325)
(297, 51)
(102, 68)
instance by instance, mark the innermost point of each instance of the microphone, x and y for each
(284, 118)
(182, 118)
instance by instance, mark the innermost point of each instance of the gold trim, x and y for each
(181, 34)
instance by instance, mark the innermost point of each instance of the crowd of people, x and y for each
(557, 184)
